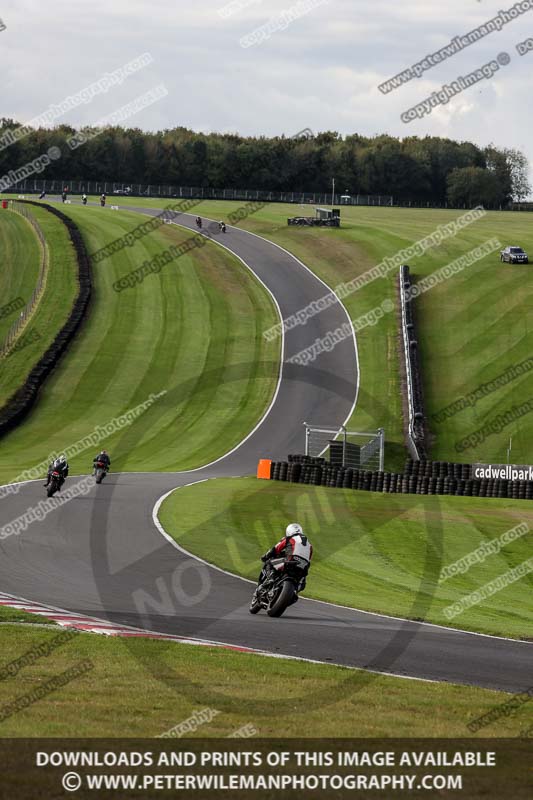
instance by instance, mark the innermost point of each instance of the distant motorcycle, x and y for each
(56, 481)
(280, 589)
(100, 471)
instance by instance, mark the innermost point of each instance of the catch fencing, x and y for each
(26, 312)
(38, 185)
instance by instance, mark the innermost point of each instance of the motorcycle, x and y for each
(100, 471)
(280, 589)
(56, 480)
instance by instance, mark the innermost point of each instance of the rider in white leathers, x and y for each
(294, 544)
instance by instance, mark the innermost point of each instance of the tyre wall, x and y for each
(21, 403)
(419, 477)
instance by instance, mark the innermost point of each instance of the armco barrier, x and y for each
(18, 406)
(419, 477)
(415, 424)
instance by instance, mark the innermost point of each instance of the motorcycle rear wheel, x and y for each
(284, 599)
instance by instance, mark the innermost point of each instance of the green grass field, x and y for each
(373, 552)
(377, 553)
(18, 246)
(471, 328)
(193, 330)
(14, 615)
(143, 688)
(54, 305)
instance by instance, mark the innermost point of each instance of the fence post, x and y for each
(343, 446)
(307, 435)
(381, 432)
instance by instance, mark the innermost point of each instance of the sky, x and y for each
(310, 64)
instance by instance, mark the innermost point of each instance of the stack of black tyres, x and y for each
(422, 477)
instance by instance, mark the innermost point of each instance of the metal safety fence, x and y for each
(354, 449)
(39, 185)
(28, 308)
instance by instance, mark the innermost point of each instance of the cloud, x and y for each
(321, 72)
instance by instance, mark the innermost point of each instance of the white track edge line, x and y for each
(157, 523)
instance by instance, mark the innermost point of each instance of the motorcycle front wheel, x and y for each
(255, 606)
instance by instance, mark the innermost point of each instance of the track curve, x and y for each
(123, 575)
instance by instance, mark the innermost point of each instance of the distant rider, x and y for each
(60, 464)
(199, 222)
(104, 458)
(294, 544)
(84, 199)
(102, 199)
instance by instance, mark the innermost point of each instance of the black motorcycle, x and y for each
(100, 471)
(56, 481)
(280, 589)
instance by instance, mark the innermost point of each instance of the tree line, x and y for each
(419, 169)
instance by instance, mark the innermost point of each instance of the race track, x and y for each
(101, 554)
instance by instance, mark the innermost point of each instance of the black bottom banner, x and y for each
(260, 769)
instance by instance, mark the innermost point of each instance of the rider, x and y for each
(102, 199)
(294, 544)
(104, 458)
(84, 198)
(199, 222)
(61, 465)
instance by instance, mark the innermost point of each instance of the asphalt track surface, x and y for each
(103, 556)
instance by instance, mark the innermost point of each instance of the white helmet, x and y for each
(293, 530)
